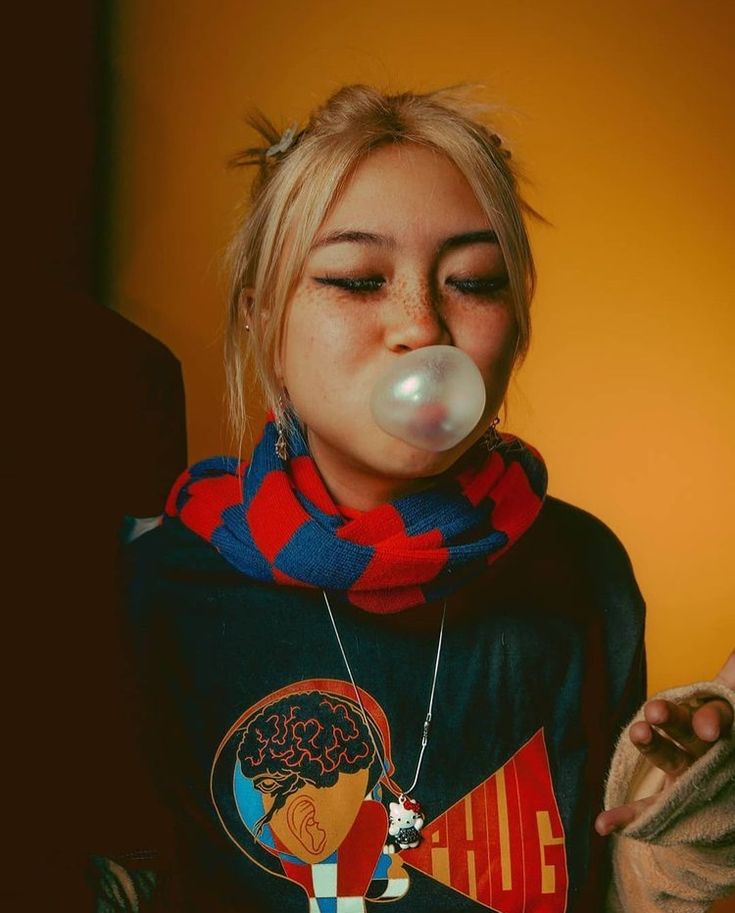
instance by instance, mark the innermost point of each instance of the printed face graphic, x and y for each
(309, 756)
(297, 784)
(314, 822)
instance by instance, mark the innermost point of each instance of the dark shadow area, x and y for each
(95, 431)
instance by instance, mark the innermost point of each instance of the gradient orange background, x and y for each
(622, 116)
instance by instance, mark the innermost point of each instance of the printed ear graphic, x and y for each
(304, 824)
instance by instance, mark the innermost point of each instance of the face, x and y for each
(405, 258)
(314, 822)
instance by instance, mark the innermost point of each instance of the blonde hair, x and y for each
(300, 176)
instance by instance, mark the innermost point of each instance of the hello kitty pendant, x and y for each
(406, 819)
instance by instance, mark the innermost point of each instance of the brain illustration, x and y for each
(311, 737)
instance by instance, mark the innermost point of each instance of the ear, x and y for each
(247, 296)
(303, 822)
(247, 299)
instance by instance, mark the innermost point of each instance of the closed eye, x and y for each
(356, 284)
(266, 784)
(479, 285)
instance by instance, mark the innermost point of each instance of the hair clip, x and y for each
(286, 140)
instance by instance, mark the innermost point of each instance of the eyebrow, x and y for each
(351, 236)
(485, 236)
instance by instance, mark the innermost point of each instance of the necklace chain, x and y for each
(427, 720)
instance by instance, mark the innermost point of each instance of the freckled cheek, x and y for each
(341, 343)
(322, 359)
(492, 349)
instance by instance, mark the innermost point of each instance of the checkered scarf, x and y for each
(276, 522)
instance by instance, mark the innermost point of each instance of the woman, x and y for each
(382, 661)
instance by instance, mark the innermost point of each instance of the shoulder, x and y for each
(170, 572)
(181, 540)
(584, 534)
(593, 554)
(569, 551)
(170, 549)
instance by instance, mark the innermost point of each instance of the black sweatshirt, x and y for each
(272, 769)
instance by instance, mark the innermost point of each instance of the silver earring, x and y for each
(281, 444)
(491, 438)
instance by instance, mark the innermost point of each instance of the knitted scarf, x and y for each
(276, 522)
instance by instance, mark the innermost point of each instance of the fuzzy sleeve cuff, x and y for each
(679, 855)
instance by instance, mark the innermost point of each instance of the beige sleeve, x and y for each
(679, 855)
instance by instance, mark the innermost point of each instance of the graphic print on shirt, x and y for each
(297, 784)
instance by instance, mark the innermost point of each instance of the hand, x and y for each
(672, 737)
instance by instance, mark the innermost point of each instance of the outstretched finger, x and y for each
(616, 818)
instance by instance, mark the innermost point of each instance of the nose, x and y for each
(414, 319)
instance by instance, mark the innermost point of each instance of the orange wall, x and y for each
(622, 115)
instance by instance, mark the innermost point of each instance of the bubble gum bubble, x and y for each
(431, 398)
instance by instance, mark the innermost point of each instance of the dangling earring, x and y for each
(281, 443)
(491, 438)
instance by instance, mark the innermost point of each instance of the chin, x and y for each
(404, 461)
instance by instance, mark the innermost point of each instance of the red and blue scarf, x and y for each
(276, 522)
